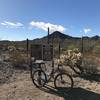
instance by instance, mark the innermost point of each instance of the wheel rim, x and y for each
(63, 81)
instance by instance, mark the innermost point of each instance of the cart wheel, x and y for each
(39, 78)
(63, 81)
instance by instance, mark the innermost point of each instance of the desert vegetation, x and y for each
(14, 64)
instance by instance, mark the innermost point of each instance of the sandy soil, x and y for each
(22, 88)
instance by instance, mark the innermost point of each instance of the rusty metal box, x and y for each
(42, 52)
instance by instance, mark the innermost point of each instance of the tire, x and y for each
(63, 81)
(39, 78)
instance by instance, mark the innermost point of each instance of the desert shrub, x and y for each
(6, 71)
(18, 60)
(90, 67)
(71, 47)
(11, 48)
(87, 48)
(71, 57)
(96, 50)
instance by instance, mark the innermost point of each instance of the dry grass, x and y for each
(91, 65)
(18, 59)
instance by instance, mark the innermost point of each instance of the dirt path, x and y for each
(22, 88)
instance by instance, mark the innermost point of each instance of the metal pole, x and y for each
(82, 49)
(48, 35)
(82, 45)
(59, 50)
(27, 46)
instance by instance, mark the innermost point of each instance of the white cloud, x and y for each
(86, 30)
(11, 24)
(44, 26)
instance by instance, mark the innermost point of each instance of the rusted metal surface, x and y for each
(47, 52)
(36, 51)
(42, 52)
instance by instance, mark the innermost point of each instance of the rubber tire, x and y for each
(71, 80)
(33, 78)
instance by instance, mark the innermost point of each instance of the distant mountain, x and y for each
(55, 37)
(63, 37)
(95, 37)
(59, 35)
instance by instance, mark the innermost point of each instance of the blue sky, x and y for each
(21, 19)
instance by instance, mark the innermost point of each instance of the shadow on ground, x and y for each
(74, 94)
(91, 77)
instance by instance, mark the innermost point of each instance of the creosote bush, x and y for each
(17, 59)
(90, 67)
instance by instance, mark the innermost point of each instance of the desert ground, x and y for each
(20, 87)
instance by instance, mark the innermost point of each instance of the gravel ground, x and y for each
(6, 72)
(22, 88)
(17, 85)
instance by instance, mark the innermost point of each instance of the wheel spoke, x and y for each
(63, 81)
(39, 78)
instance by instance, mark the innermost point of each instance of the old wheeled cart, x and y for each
(43, 69)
